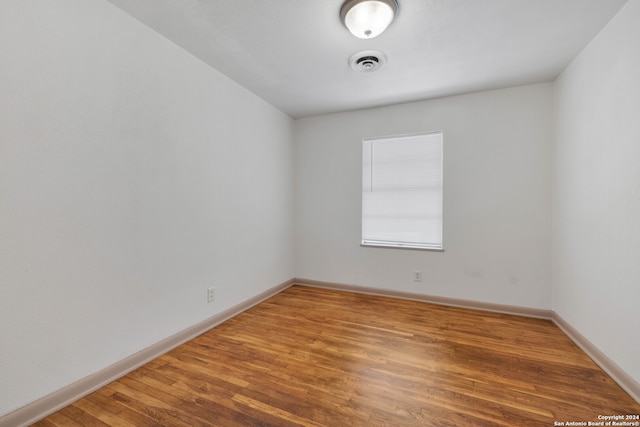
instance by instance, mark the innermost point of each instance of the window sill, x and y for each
(402, 246)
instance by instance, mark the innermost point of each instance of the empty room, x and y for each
(319, 213)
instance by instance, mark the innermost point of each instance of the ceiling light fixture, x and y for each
(367, 19)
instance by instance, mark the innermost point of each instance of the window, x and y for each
(402, 191)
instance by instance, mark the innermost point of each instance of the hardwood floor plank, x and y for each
(74, 415)
(318, 357)
(111, 405)
(110, 417)
(261, 407)
(58, 419)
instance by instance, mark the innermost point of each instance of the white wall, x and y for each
(496, 190)
(596, 191)
(132, 177)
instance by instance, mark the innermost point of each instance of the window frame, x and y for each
(427, 246)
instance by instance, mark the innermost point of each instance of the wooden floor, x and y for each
(316, 357)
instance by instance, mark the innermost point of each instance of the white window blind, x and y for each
(402, 191)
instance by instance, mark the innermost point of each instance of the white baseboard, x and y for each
(65, 396)
(619, 375)
(452, 302)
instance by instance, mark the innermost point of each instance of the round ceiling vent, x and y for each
(367, 60)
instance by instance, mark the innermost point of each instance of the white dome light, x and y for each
(368, 18)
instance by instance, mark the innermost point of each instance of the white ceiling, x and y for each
(294, 53)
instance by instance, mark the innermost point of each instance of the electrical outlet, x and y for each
(211, 294)
(417, 276)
